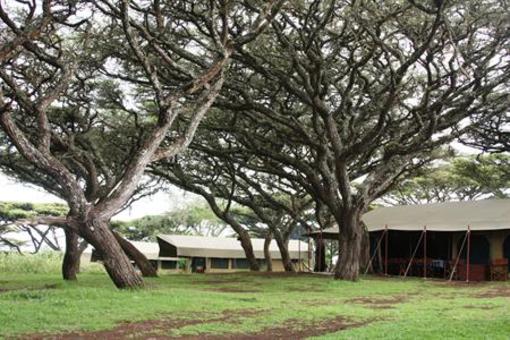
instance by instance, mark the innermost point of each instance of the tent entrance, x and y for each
(506, 250)
(198, 264)
(412, 253)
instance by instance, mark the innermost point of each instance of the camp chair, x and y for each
(499, 270)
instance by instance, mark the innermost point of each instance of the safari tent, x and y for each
(216, 254)
(149, 249)
(454, 240)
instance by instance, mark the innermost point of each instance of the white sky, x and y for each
(159, 203)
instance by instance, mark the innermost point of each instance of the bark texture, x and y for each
(117, 264)
(245, 240)
(267, 252)
(350, 242)
(141, 261)
(71, 261)
(320, 255)
(283, 245)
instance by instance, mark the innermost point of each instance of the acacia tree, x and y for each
(10, 212)
(211, 169)
(192, 219)
(460, 179)
(344, 98)
(69, 95)
(489, 133)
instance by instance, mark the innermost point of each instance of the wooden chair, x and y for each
(499, 270)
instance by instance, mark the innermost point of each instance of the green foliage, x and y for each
(40, 263)
(460, 178)
(10, 211)
(194, 219)
(45, 262)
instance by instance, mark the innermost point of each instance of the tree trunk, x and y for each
(365, 249)
(350, 243)
(136, 256)
(115, 261)
(267, 252)
(283, 245)
(320, 255)
(248, 249)
(71, 261)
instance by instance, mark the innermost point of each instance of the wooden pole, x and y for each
(379, 242)
(425, 252)
(299, 252)
(468, 253)
(414, 254)
(386, 250)
(458, 256)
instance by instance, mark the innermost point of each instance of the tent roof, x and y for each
(149, 249)
(201, 246)
(492, 214)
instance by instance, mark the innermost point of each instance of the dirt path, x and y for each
(159, 329)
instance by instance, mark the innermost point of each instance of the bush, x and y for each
(44, 262)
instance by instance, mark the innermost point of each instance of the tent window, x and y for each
(241, 264)
(219, 263)
(168, 264)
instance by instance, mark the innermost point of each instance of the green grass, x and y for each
(38, 302)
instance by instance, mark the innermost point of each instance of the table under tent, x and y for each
(467, 241)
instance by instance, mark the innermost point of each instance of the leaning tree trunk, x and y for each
(283, 245)
(350, 242)
(244, 238)
(119, 268)
(267, 252)
(135, 255)
(71, 261)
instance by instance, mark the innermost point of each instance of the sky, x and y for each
(156, 204)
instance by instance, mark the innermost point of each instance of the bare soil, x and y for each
(320, 328)
(149, 329)
(5, 290)
(233, 290)
(159, 329)
(495, 292)
(379, 302)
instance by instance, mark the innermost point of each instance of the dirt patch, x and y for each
(149, 329)
(495, 292)
(456, 283)
(301, 332)
(233, 290)
(45, 287)
(379, 302)
(483, 307)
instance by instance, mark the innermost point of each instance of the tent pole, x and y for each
(299, 251)
(468, 262)
(386, 250)
(425, 252)
(414, 253)
(369, 264)
(458, 257)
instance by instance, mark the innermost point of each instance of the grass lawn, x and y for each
(252, 305)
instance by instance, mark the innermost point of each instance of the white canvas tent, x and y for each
(492, 214)
(228, 247)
